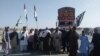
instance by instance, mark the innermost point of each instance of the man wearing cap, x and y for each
(23, 40)
(6, 41)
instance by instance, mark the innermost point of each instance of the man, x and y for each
(57, 40)
(84, 47)
(52, 36)
(73, 42)
(41, 40)
(47, 40)
(14, 40)
(36, 39)
(30, 40)
(6, 42)
(23, 40)
(64, 38)
(96, 43)
(68, 38)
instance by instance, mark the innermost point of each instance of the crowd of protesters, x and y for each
(50, 40)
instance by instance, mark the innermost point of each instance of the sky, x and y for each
(47, 12)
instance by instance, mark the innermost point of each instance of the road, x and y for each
(29, 54)
(33, 54)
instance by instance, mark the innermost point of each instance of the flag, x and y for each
(79, 18)
(18, 22)
(26, 17)
(56, 24)
(25, 11)
(35, 14)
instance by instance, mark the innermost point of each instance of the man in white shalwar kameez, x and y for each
(57, 40)
(23, 40)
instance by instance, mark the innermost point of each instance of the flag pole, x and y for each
(26, 17)
(27, 24)
(35, 16)
(36, 22)
(56, 24)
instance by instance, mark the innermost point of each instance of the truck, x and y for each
(66, 17)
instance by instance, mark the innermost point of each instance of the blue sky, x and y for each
(11, 10)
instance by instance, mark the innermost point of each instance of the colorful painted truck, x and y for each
(66, 17)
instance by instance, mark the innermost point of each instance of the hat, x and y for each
(7, 27)
(24, 27)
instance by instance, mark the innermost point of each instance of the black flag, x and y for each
(18, 22)
(35, 14)
(79, 18)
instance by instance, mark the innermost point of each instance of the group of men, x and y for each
(47, 40)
